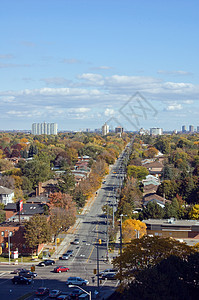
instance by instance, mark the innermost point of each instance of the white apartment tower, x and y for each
(156, 131)
(44, 128)
(105, 129)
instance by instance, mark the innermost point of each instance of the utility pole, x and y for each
(97, 267)
(107, 237)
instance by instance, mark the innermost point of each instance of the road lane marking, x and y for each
(93, 246)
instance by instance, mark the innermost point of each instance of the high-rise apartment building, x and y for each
(119, 129)
(184, 129)
(156, 131)
(191, 128)
(105, 129)
(44, 128)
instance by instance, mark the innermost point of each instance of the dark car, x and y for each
(60, 269)
(16, 271)
(75, 293)
(75, 242)
(27, 274)
(54, 293)
(47, 262)
(109, 276)
(42, 291)
(21, 280)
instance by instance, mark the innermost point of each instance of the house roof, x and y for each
(149, 187)
(154, 196)
(28, 208)
(155, 164)
(5, 191)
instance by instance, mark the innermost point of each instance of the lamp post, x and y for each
(76, 286)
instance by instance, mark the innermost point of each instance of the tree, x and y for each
(146, 252)
(37, 231)
(151, 152)
(138, 172)
(7, 181)
(152, 211)
(60, 220)
(66, 183)
(5, 165)
(132, 228)
(194, 213)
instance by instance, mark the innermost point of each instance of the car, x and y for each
(75, 242)
(21, 280)
(16, 271)
(108, 271)
(69, 252)
(54, 293)
(75, 293)
(65, 256)
(77, 281)
(47, 262)
(42, 291)
(109, 276)
(60, 269)
(28, 274)
(63, 296)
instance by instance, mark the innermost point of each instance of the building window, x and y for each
(10, 233)
(11, 245)
(3, 233)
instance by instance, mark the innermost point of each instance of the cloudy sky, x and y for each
(81, 63)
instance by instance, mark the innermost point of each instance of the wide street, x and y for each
(91, 228)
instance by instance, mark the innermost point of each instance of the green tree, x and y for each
(37, 231)
(66, 183)
(152, 211)
(194, 213)
(138, 172)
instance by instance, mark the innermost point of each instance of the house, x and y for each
(178, 229)
(155, 198)
(6, 195)
(45, 188)
(12, 237)
(149, 189)
(154, 168)
(29, 210)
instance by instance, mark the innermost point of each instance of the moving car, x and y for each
(77, 281)
(60, 269)
(54, 293)
(75, 242)
(75, 293)
(16, 271)
(47, 262)
(42, 291)
(108, 271)
(63, 296)
(69, 252)
(27, 274)
(65, 256)
(21, 280)
(109, 276)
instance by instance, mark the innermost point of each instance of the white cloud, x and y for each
(71, 61)
(175, 106)
(109, 112)
(179, 72)
(188, 101)
(56, 81)
(79, 110)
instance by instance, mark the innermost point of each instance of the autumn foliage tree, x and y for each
(131, 229)
(62, 212)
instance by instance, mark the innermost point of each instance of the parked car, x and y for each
(27, 274)
(109, 276)
(16, 271)
(54, 293)
(77, 281)
(75, 293)
(75, 242)
(21, 280)
(60, 269)
(47, 262)
(42, 291)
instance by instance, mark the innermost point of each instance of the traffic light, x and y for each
(6, 244)
(100, 241)
(0, 250)
(95, 271)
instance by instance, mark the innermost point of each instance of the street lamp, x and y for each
(77, 286)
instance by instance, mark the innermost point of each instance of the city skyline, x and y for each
(79, 63)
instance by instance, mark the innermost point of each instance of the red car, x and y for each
(60, 269)
(42, 291)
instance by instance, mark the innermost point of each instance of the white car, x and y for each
(77, 281)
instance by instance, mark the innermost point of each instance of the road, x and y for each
(92, 227)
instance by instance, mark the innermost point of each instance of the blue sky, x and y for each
(82, 63)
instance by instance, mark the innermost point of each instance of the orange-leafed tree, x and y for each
(131, 229)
